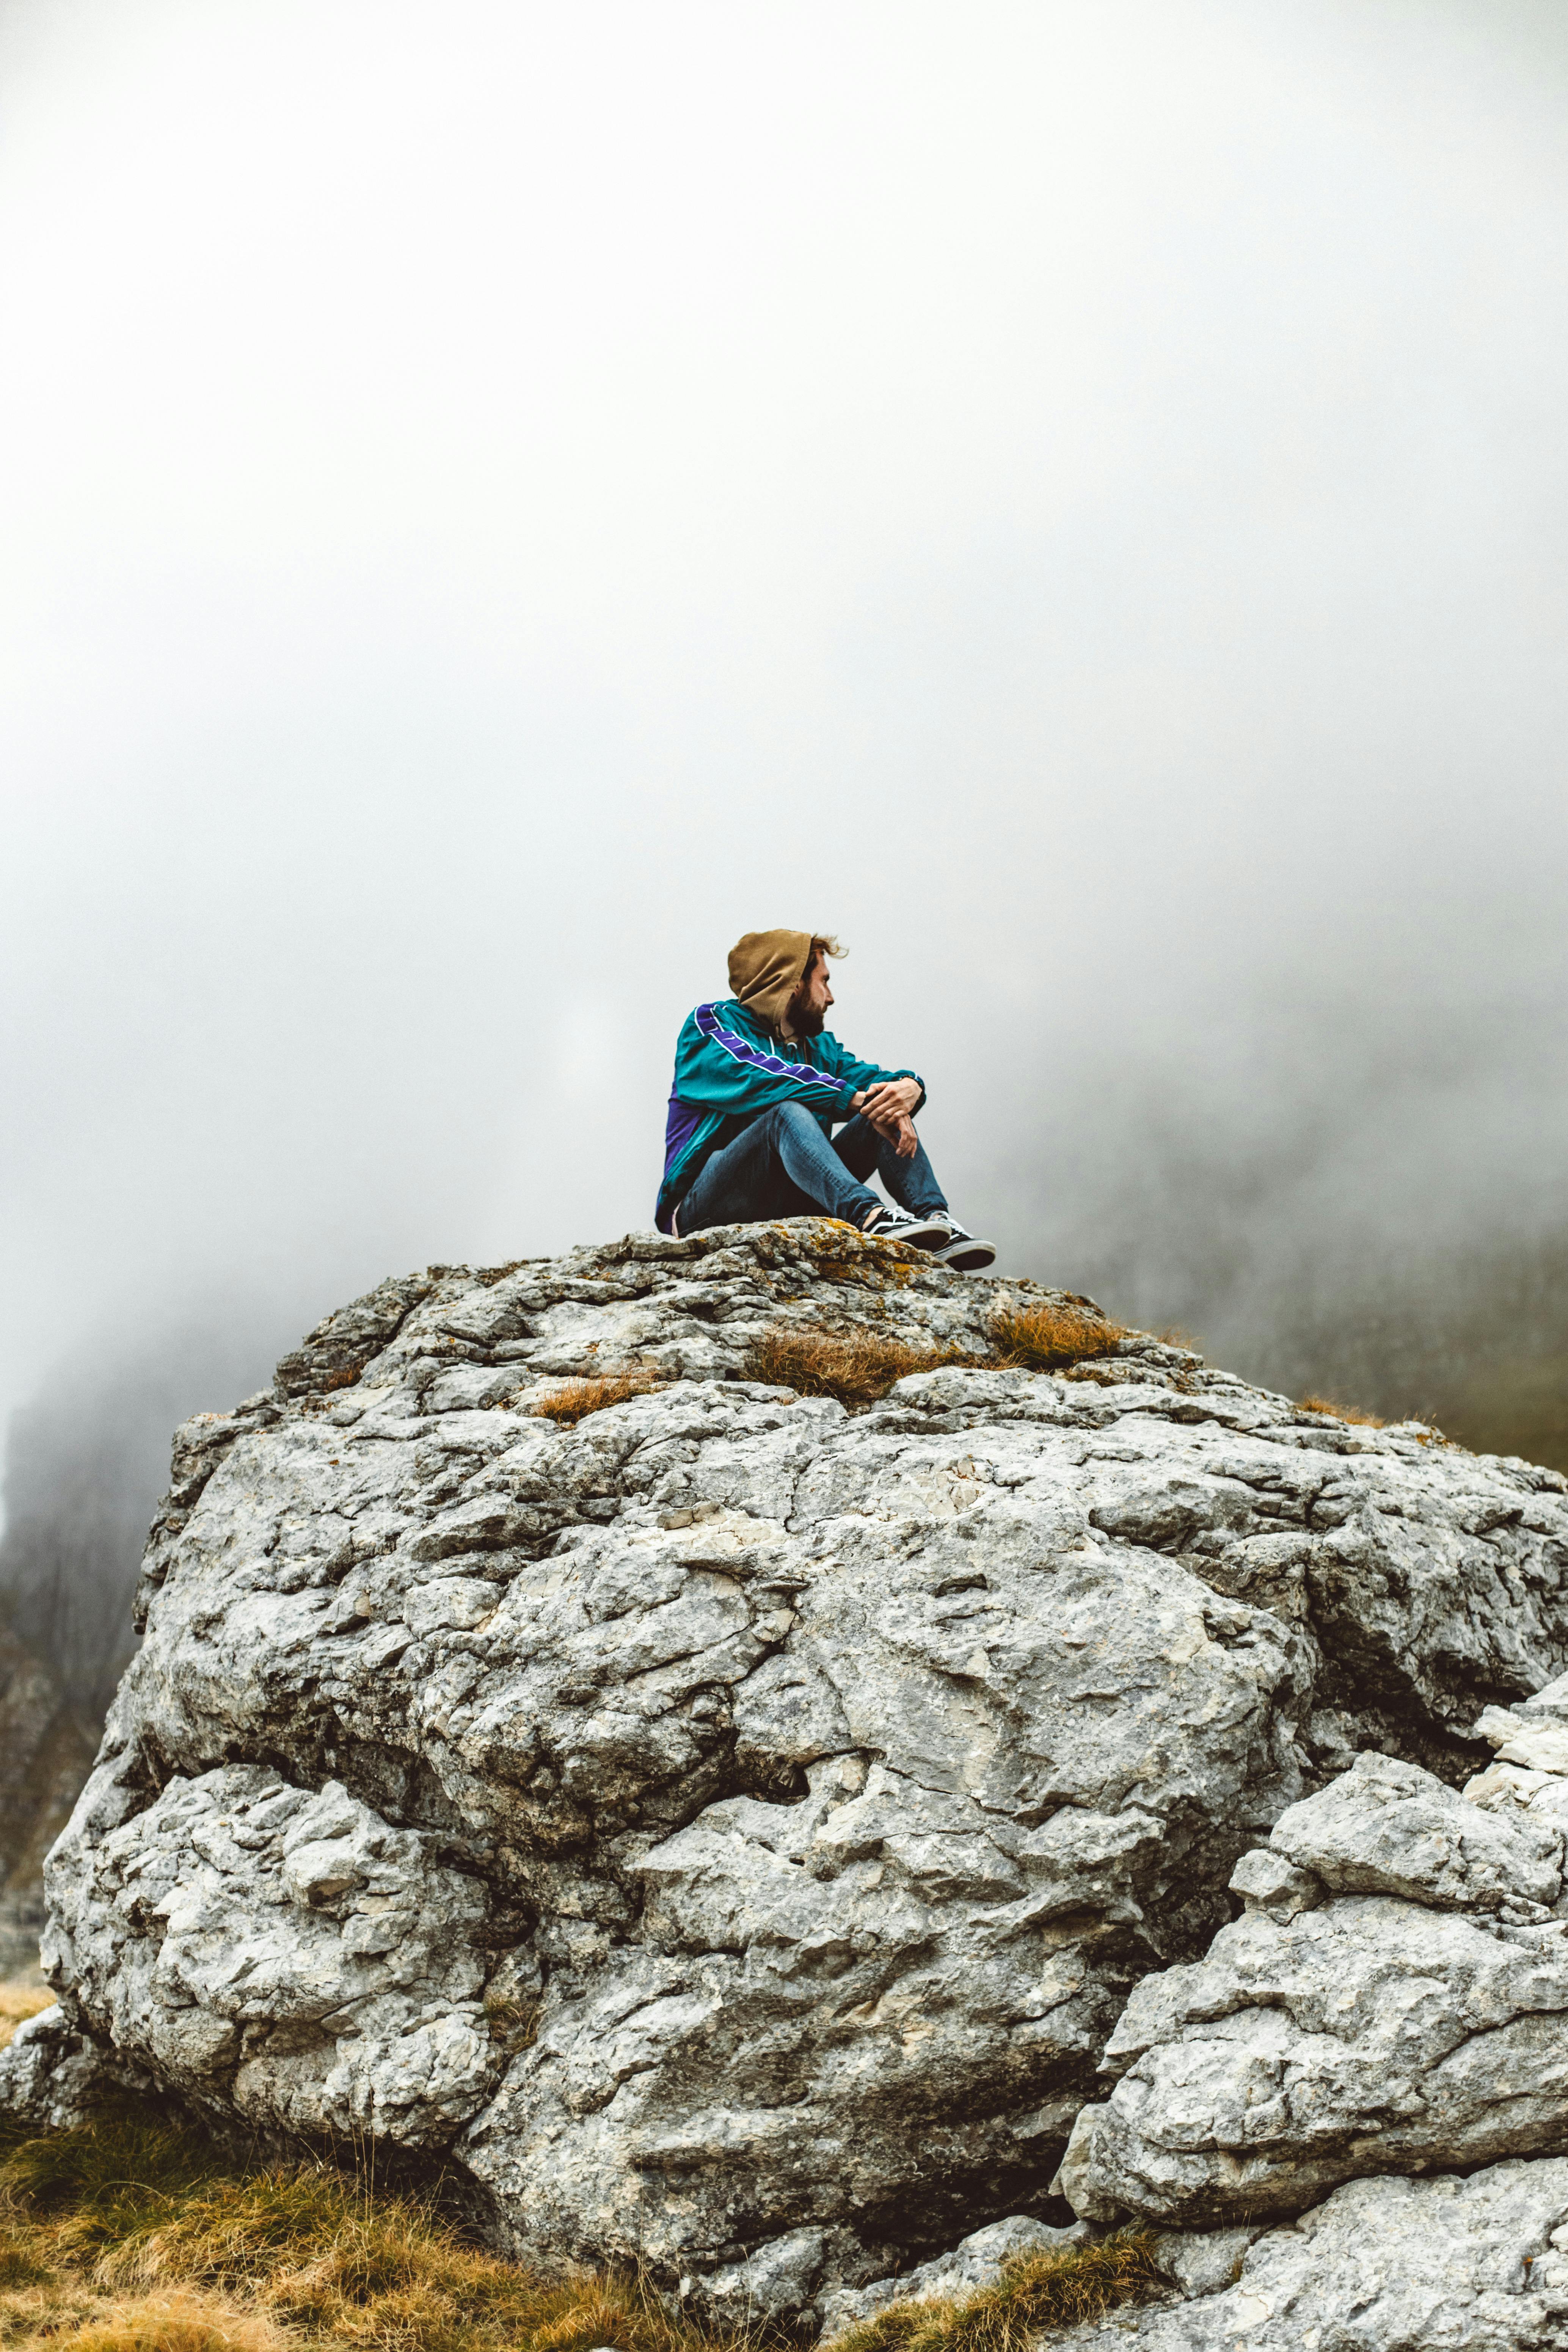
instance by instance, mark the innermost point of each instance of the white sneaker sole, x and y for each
(925, 1233)
(971, 1256)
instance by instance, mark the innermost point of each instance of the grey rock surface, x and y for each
(293, 1947)
(775, 1803)
(1383, 2265)
(53, 2075)
(1530, 1773)
(1415, 2019)
(1203, 2261)
(1388, 1827)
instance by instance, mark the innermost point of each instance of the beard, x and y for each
(802, 1021)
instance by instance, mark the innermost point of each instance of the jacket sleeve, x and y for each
(858, 1075)
(723, 1069)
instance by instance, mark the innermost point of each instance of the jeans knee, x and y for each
(792, 1118)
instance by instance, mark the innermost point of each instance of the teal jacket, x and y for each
(728, 1068)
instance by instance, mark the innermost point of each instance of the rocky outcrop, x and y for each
(1396, 1996)
(731, 1827)
(1452, 2264)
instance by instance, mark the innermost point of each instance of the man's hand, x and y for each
(887, 1107)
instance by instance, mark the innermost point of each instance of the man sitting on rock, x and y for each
(759, 1087)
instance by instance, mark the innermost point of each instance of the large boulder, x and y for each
(730, 1827)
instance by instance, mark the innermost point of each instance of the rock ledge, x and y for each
(733, 1827)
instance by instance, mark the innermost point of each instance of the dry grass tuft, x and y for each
(575, 1400)
(856, 1367)
(1044, 1338)
(132, 2236)
(1342, 1413)
(172, 2323)
(1035, 2291)
(20, 2265)
(19, 2001)
(97, 2187)
(513, 2023)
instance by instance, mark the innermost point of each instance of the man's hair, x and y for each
(822, 943)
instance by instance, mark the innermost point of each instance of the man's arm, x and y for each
(861, 1078)
(888, 1098)
(719, 1068)
(890, 1108)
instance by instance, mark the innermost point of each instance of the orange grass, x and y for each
(856, 1367)
(575, 1400)
(1342, 1413)
(1044, 1338)
(1035, 2291)
(179, 2322)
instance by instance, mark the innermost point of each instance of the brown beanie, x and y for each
(765, 970)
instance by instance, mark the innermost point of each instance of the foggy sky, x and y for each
(499, 499)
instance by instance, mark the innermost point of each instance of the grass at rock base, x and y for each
(1035, 2291)
(135, 2235)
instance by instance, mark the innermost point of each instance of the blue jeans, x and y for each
(783, 1165)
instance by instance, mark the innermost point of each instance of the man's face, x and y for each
(808, 1005)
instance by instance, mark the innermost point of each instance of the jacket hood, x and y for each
(765, 970)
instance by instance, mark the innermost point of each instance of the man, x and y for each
(759, 1087)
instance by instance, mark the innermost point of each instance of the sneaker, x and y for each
(963, 1253)
(898, 1225)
